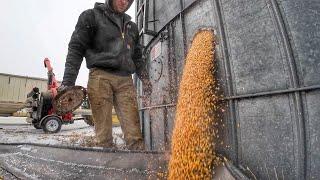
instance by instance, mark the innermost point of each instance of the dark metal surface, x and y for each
(230, 133)
(268, 61)
(272, 93)
(232, 172)
(52, 163)
(300, 127)
(69, 99)
(168, 19)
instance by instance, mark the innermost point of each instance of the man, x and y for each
(108, 40)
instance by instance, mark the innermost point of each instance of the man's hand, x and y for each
(62, 87)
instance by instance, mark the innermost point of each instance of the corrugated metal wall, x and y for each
(14, 90)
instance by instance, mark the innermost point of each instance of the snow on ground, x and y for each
(12, 120)
(17, 130)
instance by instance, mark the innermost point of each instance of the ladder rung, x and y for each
(151, 33)
(140, 9)
(141, 32)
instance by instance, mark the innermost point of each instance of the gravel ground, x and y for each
(5, 175)
(16, 130)
(37, 162)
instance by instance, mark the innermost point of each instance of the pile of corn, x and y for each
(192, 151)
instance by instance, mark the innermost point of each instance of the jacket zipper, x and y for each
(123, 30)
(123, 38)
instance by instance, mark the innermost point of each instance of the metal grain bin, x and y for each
(269, 70)
(14, 90)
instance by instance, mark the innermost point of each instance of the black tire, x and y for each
(89, 120)
(37, 126)
(51, 124)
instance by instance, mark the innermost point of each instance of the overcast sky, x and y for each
(31, 30)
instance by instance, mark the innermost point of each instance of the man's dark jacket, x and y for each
(105, 42)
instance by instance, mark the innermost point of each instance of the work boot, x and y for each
(91, 141)
(108, 146)
(136, 145)
(105, 144)
(88, 141)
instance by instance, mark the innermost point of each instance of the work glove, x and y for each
(62, 87)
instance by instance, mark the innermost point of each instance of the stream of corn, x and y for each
(193, 149)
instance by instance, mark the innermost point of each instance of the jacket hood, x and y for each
(104, 7)
(108, 4)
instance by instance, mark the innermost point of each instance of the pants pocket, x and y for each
(94, 88)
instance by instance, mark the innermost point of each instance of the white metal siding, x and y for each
(15, 88)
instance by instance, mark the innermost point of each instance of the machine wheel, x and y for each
(37, 126)
(89, 120)
(51, 124)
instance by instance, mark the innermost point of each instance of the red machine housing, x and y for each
(52, 88)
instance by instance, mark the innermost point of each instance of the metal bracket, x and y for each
(150, 32)
(164, 35)
(144, 11)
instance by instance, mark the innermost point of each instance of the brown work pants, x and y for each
(105, 91)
